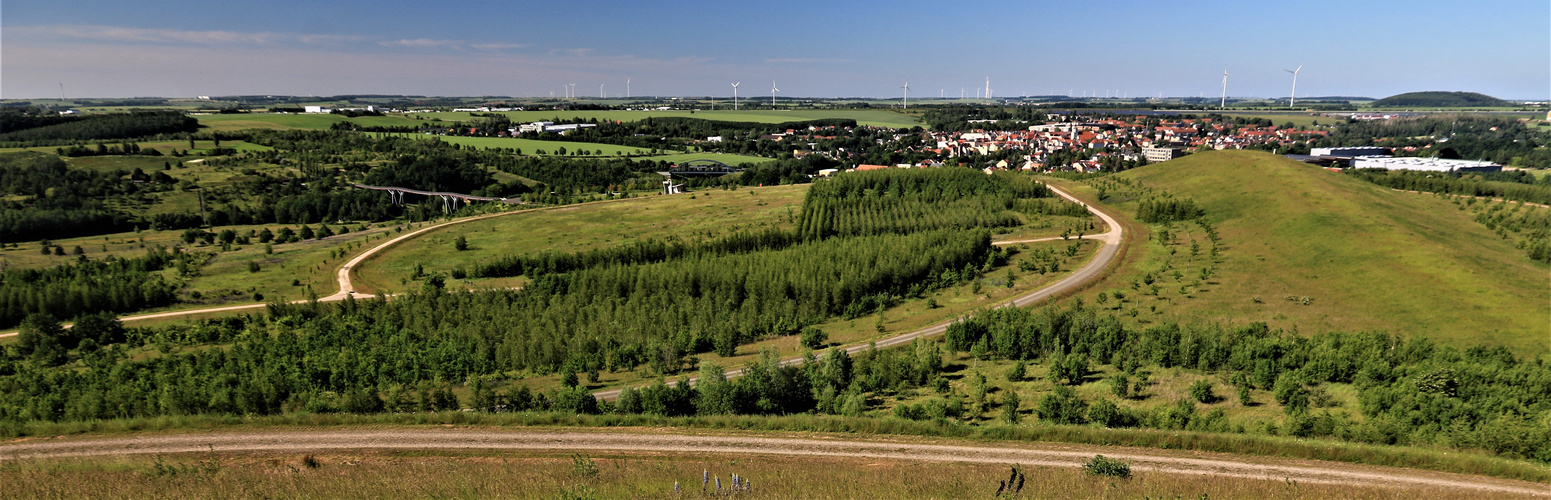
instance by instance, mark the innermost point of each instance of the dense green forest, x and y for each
(31, 127)
(1439, 99)
(90, 286)
(47, 199)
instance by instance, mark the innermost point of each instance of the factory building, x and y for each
(1351, 152)
(1424, 164)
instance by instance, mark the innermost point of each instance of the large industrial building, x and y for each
(1424, 164)
(1349, 152)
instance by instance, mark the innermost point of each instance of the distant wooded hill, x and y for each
(1440, 99)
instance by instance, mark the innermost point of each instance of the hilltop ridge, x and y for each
(1366, 257)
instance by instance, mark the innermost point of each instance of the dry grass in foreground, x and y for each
(522, 475)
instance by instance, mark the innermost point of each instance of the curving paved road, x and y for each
(1058, 455)
(342, 277)
(1088, 272)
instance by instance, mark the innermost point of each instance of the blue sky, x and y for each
(820, 49)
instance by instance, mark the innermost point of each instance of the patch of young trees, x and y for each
(111, 284)
(1410, 391)
(883, 202)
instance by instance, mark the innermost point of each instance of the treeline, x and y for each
(956, 118)
(635, 252)
(903, 201)
(1455, 183)
(1410, 391)
(56, 201)
(627, 315)
(374, 367)
(1049, 206)
(111, 284)
(91, 127)
(1154, 210)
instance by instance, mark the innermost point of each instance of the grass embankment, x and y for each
(1306, 249)
(402, 474)
(826, 426)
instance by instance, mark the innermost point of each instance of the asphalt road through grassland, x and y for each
(1142, 460)
(1089, 272)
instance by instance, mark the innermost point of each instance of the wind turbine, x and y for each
(627, 88)
(735, 95)
(601, 95)
(773, 91)
(907, 94)
(988, 87)
(1224, 103)
(1293, 99)
(573, 91)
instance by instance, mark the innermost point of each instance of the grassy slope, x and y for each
(1371, 258)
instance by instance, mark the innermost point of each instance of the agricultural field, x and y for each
(875, 117)
(1311, 250)
(532, 146)
(276, 121)
(1298, 119)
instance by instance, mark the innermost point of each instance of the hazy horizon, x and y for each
(180, 48)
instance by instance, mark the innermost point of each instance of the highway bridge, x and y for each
(449, 199)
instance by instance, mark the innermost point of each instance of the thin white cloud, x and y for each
(497, 46)
(143, 35)
(419, 43)
(807, 60)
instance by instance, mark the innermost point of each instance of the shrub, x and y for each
(1108, 467)
(1062, 406)
(1201, 390)
(814, 338)
(1010, 405)
(461, 243)
(1017, 372)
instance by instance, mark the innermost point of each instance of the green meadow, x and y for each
(1311, 250)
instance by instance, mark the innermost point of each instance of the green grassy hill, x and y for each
(1439, 99)
(1366, 257)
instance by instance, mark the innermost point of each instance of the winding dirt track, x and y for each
(1088, 272)
(1141, 460)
